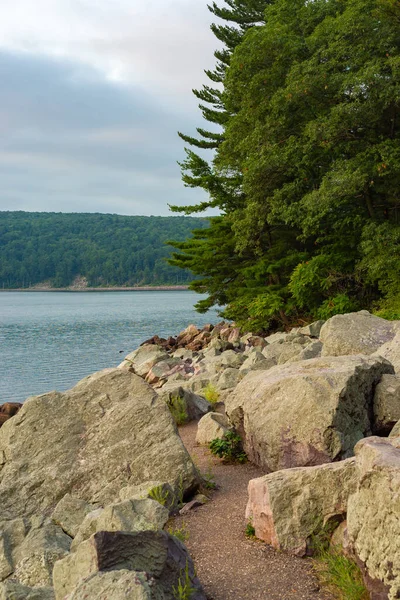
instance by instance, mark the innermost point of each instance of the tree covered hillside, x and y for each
(306, 169)
(106, 249)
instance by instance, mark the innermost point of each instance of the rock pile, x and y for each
(80, 472)
(76, 470)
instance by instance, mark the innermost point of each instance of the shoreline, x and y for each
(155, 288)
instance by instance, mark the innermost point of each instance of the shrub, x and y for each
(250, 531)
(229, 448)
(177, 406)
(159, 494)
(182, 533)
(211, 394)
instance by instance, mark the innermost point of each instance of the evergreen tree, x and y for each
(310, 161)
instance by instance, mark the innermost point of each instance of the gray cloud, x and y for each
(93, 92)
(70, 140)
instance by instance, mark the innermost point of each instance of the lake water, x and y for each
(51, 340)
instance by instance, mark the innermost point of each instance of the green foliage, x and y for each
(178, 409)
(341, 575)
(229, 448)
(182, 533)
(184, 590)
(306, 172)
(250, 531)
(159, 494)
(208, 480)
(338, 572)
(211, 394)
(109, 250)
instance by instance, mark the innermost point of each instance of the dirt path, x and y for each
(230, 566)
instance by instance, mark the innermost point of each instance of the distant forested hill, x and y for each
(106, 249)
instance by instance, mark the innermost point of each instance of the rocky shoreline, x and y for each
(89, 477)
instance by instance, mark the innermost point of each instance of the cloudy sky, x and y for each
(92, 94)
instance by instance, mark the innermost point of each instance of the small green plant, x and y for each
(337, 572)
(341, 575)
(229, 448)
(211, 394)
(184, 590)
(182, 533)
(208, 480)
(250, 531)
(177, 406)
(159, 494)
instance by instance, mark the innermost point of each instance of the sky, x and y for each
(93, 93)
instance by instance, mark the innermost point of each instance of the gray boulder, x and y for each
(355, 333)
(289, 352)
(116, 585)
(35, 557)
(130, 516)
(110, 431)
(312, 350)
(287, 507)
(212, 426)
(391, 350)
(157, 554)
(256, 361)
(70, 512)
(11, 590)
(162, 369)
(144, 358)
(227, 380)
(387, 404)
(396, 430)
(305, 413)
(373, 521)
(313, 329)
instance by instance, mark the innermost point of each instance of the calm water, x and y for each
(51, 340)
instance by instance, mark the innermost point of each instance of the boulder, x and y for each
(287, 507)
(150, 489)
(256, 361)
(35, 557)
(391, 350)
(278, 337)
(313, 329)
(163, 368)
(11, 590)
(187, 335)
(143, 359)
(227, 380)
(355, 333)
(115, 585)
(387, 404)
(312, 350)
(129, 515)
(110, 431)
(70, 512)
(10, 408)
(305, 413)
(373, 515)
(289, 352)
(162, 557)
(210, 427)
(12, 535)
(396, 430)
